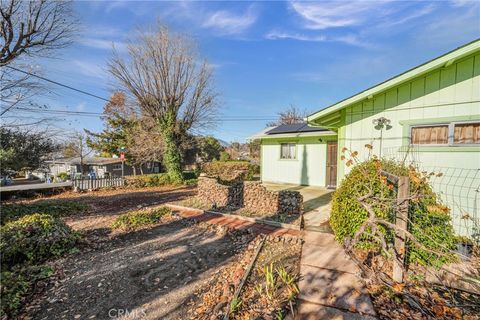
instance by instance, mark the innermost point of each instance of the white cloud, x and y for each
(81, 106)
(227, 22)
(90, 69)
(333, 14)
(278, 35)
(104, 44)
(350, 39)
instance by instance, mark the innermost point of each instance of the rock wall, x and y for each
(251, 195)
(259, 199)
(220, 195)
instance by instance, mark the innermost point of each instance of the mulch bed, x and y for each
(417, 298)
(213, 301)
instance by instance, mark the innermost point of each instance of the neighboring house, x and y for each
(101, 167)
(428, 115)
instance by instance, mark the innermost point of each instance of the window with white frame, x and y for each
(453, 133)
(288, 151)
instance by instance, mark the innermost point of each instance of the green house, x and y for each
(428, 116)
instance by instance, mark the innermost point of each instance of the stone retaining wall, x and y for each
(251, 195)
(220, 195)
(259, 199)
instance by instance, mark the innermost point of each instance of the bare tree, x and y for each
(34, 27)
(29, 29)
(77, 147)
(171, 84)
(290, 116)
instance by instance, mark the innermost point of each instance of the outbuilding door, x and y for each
(332, 164)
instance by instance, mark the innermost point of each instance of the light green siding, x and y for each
(446, 94)
(309, 167)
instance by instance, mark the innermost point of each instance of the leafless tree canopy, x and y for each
(29, 29)
(34, 27)
(164, 74)
(290, 116)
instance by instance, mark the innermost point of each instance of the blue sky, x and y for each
(266, 55)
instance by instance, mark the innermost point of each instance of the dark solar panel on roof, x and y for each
(294, 128)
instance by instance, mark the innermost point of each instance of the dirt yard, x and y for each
(144, 274)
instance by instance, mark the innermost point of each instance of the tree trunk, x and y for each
(172, 157)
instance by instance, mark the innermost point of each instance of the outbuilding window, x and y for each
(466, 133)
(288, 151)
(453, 133)
(435, 134)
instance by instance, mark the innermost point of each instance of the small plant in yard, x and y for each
(274, 278)
(14, 211)
(34, 239)
(137, 219)
(235, 305)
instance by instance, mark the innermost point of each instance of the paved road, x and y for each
(36, 186)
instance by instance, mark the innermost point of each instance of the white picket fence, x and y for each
(97, 183)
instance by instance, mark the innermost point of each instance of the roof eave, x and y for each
(294, 135)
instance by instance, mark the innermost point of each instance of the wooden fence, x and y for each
(97, 183)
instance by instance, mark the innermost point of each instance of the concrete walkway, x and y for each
(329, 288)
(316, 204)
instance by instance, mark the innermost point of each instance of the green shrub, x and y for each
(14, 211)
(136, 219)
(157, 180)
(17, 283)
(230, 170)
(63, 176)
(189, 175)
(225, 156)
(149, 180)
(431, 222)
(34, 239)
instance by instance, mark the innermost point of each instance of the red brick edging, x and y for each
(233, 222)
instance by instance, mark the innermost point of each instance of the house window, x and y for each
(454, 133)
(288, 151)
(466, 133)
(434, 134)
(117, 167)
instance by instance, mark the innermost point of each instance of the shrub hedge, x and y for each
(136, 219)
(431, 221)
(158, 179)
(230, 170)
(14, 211)
(35, 238)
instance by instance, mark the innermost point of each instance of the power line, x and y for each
(58, 83)
(97, 114)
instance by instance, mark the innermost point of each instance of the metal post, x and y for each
(401, 221)
(122, 167)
